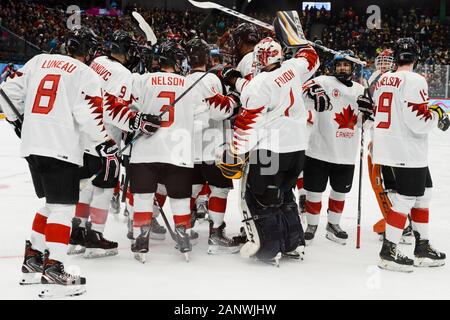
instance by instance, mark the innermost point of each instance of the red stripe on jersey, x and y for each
(335, 205)
(220, 101)
(310, 55)
(217, 204)
(39, 223)
(182, 220)
(142, 218)
(313, 207)
(396, 219)
(421, 110)
(286, 112)
(420, 215)
(82, 210)
(58, 233)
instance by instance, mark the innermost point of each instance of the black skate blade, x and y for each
(56, 291)
(219, 250)
(30, 278)
(392, 266)
(330, 236)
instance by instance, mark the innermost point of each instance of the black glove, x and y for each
(229, 76)
(110, 162)
(147, 123)
(444, 122)
(17, 127)
(365, 106)
(320, 98)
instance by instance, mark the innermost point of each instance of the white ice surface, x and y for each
(329, 271)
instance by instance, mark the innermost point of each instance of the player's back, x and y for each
(172, 143)
(402, 120)
(61, 95)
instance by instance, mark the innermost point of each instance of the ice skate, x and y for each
(77, 238)
(130, 228)
(97, 246)
(157, 231)
(302, 207)
(425, 255)
(275, 261)
(309, 234)
(297, 254)
(32, 266)
(183, 241)
(219, 243)
(140, 245)
(336, 234)
(407, 236)
(58, 283)
(393, 259)
(202, 210)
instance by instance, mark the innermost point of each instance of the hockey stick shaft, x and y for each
(11, 105)
(166, 221)
(140, 134)
(212, 5)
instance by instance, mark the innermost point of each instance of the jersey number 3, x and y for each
(384, 106)
(46, 94)
(171, 96)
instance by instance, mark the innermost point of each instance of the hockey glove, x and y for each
(320, 98)
(147, 123)
(365, 106)
(229, 76)
(443, 122)
(110, 163)
(231, 165)
(17, 127)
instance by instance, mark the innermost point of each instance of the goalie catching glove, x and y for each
(110, 163)
(443, 122)
(232, 164)
(147, 123)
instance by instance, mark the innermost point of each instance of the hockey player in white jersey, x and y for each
(209, 142)
(333, 145)
(54, 94)
(403, 121)
(271, 130)
(167, 156)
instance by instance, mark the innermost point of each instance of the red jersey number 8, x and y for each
(48, 88)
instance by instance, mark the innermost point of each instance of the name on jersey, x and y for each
(167, 81)
(285, 78)
(59, 64)
(101, 70)
(389, 81)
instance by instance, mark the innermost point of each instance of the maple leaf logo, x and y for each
(346, 119)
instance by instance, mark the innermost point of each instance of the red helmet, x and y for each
(385, 61)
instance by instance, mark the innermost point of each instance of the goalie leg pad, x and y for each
(293, 235)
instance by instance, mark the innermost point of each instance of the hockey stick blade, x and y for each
(145, 27)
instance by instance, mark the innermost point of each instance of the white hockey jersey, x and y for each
(247, 69)
(335, 136)
(117, 83)
(402, 120)
(273, 115)
(60, 98)
(173, 142)
(209, 140)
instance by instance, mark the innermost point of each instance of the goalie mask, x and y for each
(342, 68)
(267, 52)
(384, 62)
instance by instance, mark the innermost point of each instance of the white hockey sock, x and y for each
(335, 207)
(99, 208)
(217, 205)
(57, 232)
(38, 229)
(313, 207)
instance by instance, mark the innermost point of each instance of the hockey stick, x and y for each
(11, 105)
(173, 235)
(140, 134)
(212, 5)
(145, 27)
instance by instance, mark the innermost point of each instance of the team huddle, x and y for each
(186, 126)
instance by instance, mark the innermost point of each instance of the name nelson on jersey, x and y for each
(167, 81)
(389, 81)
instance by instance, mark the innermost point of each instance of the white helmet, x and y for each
(266, 52)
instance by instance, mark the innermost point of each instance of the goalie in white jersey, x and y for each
(167, 156)
(271, 129)
(403, 121)
(333, 145)
(54, 94)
